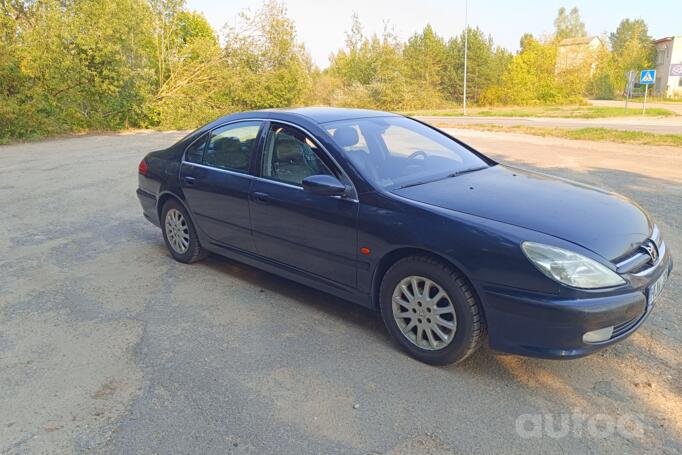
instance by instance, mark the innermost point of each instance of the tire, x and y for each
(446, 305)
(179, 233)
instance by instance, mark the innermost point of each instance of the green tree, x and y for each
(68, 65)
(355, 63)
(165, 14)
(390, 88)
(529, 78)
(524, 40)
(371, 71)
(268, 66)
(604, 80)
(12, 82)
(486, 63)
(73, 64)
(632, 49)
(192, 26)
(190, 67)
(629, 31)
(568, 24)
(424, 61)
(632, 46)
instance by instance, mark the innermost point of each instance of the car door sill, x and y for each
(293, 273)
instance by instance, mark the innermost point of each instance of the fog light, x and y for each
(596, 336)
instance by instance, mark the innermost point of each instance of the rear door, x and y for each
(215, 178)
(313, 233)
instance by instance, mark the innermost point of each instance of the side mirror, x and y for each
(324, 185)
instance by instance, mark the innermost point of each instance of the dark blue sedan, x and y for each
(385, 211)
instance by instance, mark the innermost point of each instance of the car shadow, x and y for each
(330, 305)
(568, 384)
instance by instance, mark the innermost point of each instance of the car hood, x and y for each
(605, 223)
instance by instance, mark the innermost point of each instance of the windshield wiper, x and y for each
(454, 174)
(466, 171)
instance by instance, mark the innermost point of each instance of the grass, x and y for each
(652, 99)
(586, 134)
(550, 111)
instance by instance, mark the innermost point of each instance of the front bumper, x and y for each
(553, 328)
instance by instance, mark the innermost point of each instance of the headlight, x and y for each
(570, 268)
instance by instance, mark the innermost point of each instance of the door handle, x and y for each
(263, 198)
(189, 180)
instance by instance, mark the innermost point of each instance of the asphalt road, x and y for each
(660, 125)
(107, 345)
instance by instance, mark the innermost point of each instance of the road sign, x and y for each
(631, 82)
(676, 69)
(628, 88)
(647, 77)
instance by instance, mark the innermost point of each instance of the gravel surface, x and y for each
(107, 345)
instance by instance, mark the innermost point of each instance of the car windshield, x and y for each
(395, 152)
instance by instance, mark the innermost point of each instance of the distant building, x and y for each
(668, 66)
(574, 52)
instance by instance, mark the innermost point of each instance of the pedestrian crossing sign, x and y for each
(647, 77)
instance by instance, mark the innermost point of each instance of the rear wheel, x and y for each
(179, 233)
(430, 310)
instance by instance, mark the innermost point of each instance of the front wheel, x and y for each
(179, 233)
(431, 311)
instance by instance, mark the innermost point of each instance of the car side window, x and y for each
(290, 156)
(195, 152)
(230, 146)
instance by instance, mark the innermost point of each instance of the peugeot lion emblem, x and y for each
(651, 250)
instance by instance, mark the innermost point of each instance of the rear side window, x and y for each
(230, 147)
(195, 152)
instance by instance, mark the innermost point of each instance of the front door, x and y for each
(216, 182)
(313, 233)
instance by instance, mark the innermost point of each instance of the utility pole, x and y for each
(466, 48)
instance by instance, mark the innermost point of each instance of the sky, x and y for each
(321, 24)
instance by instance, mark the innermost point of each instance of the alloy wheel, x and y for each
(177, 231)
(424, 313)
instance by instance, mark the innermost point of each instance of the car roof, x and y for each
(318, 115)
(329, 114)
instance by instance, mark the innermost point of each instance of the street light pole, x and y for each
(466, 48)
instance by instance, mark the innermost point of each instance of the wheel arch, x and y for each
(394, 256)
(166, 196)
